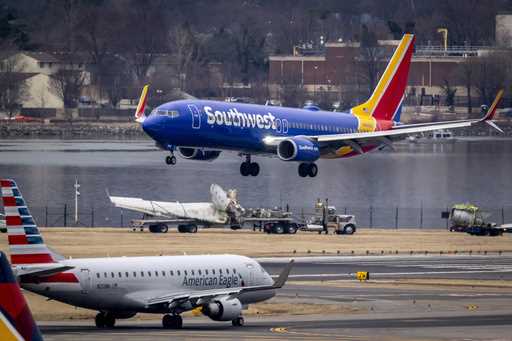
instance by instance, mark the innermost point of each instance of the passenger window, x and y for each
(220, 271)
(199, 271)
(192, 272)
(172, 273)
(179, 273)
(156, 273)
(105, 274)
(163, 273)
(120, 275)
(98, 275)
(112, 274)
(206, 271)
(149, 273)
(227, 271)
(142, 274)
(126, 273)
(234, 270)
(134, 274)
(185, 272)
(213, 271)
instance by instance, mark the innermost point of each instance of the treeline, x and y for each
(124, 38)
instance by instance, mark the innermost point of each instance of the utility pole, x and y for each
(77, 194)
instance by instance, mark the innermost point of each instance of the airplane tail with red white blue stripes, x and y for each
(25, 242)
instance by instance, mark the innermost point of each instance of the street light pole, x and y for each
(314, 85)
(77, 194)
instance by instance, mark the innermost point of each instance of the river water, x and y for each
(406, 187)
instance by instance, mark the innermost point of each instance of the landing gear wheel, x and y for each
(245, 168)
(238, 322)
(99, 320)
(172, 321)
(303, 170)
(254, 169)
(313, 170)
(170, 160)
(110, 321)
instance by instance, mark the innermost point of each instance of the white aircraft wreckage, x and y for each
(224, 209)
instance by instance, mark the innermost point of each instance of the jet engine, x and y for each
(198, 154)
(298, 149)
(223, 309)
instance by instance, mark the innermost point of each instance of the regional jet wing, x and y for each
(358, 140)
(198, 211)
(199, 297)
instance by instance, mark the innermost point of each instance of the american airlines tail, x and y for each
(25, 241)
(16, 321)
(386, 100)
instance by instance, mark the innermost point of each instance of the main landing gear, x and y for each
(170, 159)
(105, 320)
(172, 321)
(249, 168)
(308, 169)
(238, 322)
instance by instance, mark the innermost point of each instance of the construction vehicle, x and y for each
(470, 219)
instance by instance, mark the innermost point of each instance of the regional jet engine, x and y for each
(298, 149)
(198, 154)
(223, 309)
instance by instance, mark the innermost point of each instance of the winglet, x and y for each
(492, 111)
(139, 113)
(281, 280)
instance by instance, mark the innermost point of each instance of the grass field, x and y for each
(101, 242)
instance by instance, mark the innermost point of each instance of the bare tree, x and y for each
(489, 75)
(67, 85)
(467, 72)
(13, 87)
(183, 45)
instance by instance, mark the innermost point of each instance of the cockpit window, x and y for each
(168, 113)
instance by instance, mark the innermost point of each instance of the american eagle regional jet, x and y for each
(120, 287)
(200, 129)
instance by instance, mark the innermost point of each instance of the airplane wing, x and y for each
(358, 140)
(196, 297)
(198, 211)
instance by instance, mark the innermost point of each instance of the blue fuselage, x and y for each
(236, 126)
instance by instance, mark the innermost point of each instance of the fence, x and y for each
(367, 217)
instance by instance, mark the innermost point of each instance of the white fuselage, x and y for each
(126, 284)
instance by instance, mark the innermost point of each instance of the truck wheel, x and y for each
(154, 228)
(349, 229)
(192, 228)
(278, 229)
(164, 228)
(291, 229)
(182, 228)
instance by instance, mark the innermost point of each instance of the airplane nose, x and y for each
(150, 126)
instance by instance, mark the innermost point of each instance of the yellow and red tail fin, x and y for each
(25, 242)
(139, 113)
(385, 101)
(16, 321)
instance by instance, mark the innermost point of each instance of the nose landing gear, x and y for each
(170, 159)
(249, 168)
(308, 169)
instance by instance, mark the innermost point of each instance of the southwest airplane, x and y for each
(120, 287)
(16, 321)
(200, 129)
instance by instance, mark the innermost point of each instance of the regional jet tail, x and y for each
(200, 129)
(16, 321)
(120, 287)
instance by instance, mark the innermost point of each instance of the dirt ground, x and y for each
(101, 242)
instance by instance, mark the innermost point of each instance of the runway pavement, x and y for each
(393, 267)
(353, 310)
